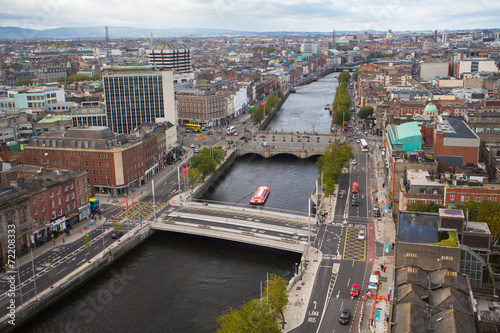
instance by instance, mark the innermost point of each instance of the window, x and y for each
(466, 198)
(478, 199)
(452, 197)
(34, 201)
(462, 198)
(106, 164)
(51, 194)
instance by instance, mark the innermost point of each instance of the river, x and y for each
(181, 283)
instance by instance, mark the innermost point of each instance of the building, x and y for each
(88, 114)
(36, 97)
(484, 124)
(52, 123)
(310, 47)
(430, 70)
(470, 66)
(203, 107)
(172, 56)
(462, 188)
(453, 141)
(405, 137)
(114, 163)
(416, 185)
(51, 74)
(138, 95)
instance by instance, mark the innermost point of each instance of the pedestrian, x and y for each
(392, 246)
(384, 268)
(381, 267)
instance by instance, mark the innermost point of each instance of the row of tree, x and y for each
(336, 156)
(205, 164)
(258, 315)
(79, 78)
(259, 112)
(341, 104)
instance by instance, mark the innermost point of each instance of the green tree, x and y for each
(280, 94)
(273, 100)
(355, 76)
(24, 82)
(421, 206)
(258, 114)
(96, 77)
(275, 293)
(365, 112)
(194, 176)
(118, 227)
(268, 109)
(335, 157)
(258, 315)
(473, 209)
(344, 76)
(87, 245)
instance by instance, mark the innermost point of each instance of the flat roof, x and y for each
(418, 228)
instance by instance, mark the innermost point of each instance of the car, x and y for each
(355, 290)
(354, 162)
(345, 316)
(376, 211)
(192, 145)
(358, 140)
(355, 201)
(366, 132)
(306, 136)
(196, 151)
(262, 136)
(116, 235)
(243, 137)
(350, 139)
(244, 122)
(361, 234)
(236, 134)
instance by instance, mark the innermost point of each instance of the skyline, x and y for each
(258, 16)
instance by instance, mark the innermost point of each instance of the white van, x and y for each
(373, 282)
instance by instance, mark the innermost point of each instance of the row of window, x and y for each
(478, 198)
(72, 153)
(73, 162)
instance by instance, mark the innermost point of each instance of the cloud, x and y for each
(257, 15)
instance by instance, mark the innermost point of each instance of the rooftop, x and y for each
(456, 128)
(53, 119)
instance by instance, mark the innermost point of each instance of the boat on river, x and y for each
(260, 195)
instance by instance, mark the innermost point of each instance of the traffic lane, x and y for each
(341, 297)
(245, 216)
(47, 275)
(261, 229)
(318, 298)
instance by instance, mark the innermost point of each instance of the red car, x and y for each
(355, 290)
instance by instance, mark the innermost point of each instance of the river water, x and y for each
(180, 283)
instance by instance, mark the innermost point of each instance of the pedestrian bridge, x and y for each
(266, 152)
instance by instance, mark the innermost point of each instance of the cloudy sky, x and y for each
(255, 15)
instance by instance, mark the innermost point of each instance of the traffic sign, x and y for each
(386, 247)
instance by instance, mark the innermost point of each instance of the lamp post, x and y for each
(114, 195)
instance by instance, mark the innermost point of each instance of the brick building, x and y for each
(203, 107)
(115, 164)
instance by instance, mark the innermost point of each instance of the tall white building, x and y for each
(477, 65)
(138, 95)
(310, 47)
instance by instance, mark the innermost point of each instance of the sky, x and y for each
(255, 15)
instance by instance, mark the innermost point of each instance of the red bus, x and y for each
(354, 187)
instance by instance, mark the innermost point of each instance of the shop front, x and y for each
(72, 219)
(84, 211)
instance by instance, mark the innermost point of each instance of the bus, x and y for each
(364, 145)
(355, 188)
(231, 130)
(94, 206)
(192, 128)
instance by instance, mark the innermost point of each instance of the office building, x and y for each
(172, 56)
(138, 95)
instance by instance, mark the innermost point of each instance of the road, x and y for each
(344, 256)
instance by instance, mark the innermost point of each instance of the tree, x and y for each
(272, 101)
(421, 206)
(355, 76)
(24, 82)
(87, 245)
(258, 315)
(485, 211)
(268, 109)
(194, 176)
(118, 227)
(258, 114)
(279, 93)
(344, 77)
(275, 293)
(335, 157)
(365, 112)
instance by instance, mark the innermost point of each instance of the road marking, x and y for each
(348, 282)
(339, 295)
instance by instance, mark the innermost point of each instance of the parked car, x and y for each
(196, 151)
(243, 137)
(306, 136)
(345, 316)
(236, 134)
(192, 145)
